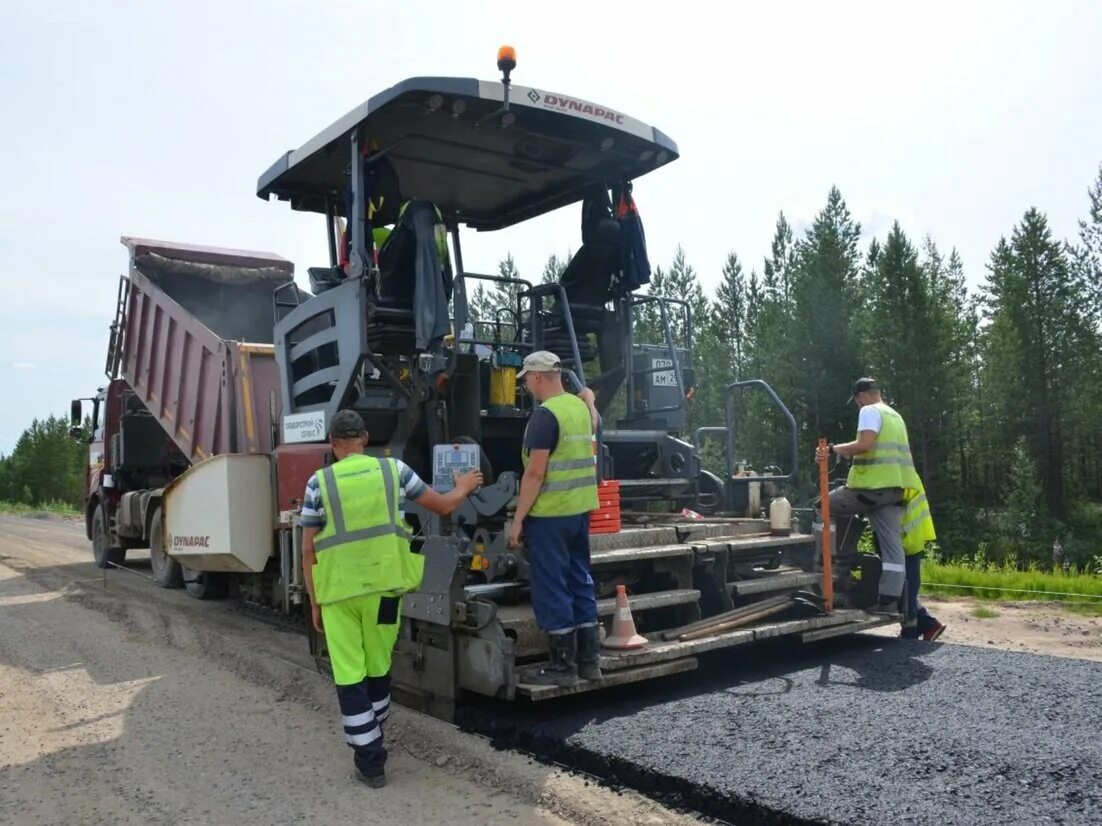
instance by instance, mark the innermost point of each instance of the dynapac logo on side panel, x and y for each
(189, 541)
(565, 104)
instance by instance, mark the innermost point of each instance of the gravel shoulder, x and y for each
(124, 703)
(1032, 627)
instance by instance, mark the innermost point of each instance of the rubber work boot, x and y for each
(375, 781)
(562, 665)
(589, 653)
(884, 605)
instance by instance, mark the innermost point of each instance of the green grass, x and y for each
(47, 509)
(983, 612)
(1085, 609)
(1081, 591)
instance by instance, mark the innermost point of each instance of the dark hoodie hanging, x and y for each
(633, 241)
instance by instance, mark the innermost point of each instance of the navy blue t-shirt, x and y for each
(543, 430)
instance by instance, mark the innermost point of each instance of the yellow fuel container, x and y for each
(503, 387)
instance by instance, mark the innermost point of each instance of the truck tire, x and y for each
(166, 570)
(205, 584)
(102, 552)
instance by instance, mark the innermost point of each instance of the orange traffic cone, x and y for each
(623, 634)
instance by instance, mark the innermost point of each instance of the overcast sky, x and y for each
(154, 119)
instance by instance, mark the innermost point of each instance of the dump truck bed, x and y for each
(193, 339)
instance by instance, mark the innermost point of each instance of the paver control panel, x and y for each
(450, 459)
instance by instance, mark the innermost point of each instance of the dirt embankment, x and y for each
(1033, 627)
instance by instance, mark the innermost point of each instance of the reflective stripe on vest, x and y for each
(570, 483)
(364, 546)
(889, 464)
(340, 531)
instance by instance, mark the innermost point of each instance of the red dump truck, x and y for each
(192, 377)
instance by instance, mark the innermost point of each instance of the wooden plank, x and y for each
(656, 651)
(736, 622)
(623, 677)
(715, 619)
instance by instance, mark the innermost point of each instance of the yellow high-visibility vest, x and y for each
(570, 484)
(364, 546)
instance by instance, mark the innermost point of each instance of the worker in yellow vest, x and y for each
(918, 533)
(357, 561)
(557, 493)
(882, 472)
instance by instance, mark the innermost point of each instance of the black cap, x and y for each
(862, 386)
(346, 424)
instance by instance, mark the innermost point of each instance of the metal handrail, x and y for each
(598, 431)
(459, 286)
(117, 332)
(732, 388)
(278, 303)
(559, 291)
(661, 301)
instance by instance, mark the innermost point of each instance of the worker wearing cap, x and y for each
(357, 561)
(882, 472)
(557, 493)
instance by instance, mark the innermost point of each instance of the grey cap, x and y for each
(346, 424)
(541, 361)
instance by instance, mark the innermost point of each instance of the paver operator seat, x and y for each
(414, 274)
(413, 268)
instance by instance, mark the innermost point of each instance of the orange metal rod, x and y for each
(824, 506)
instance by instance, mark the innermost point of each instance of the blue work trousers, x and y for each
(917, 620)
(563, 596)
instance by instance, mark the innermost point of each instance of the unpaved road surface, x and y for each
(131, 704)
(1031, 627)
(127, 703)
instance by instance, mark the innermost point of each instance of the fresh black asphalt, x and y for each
(864, 730)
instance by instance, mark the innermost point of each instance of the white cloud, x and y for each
(23, 365)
